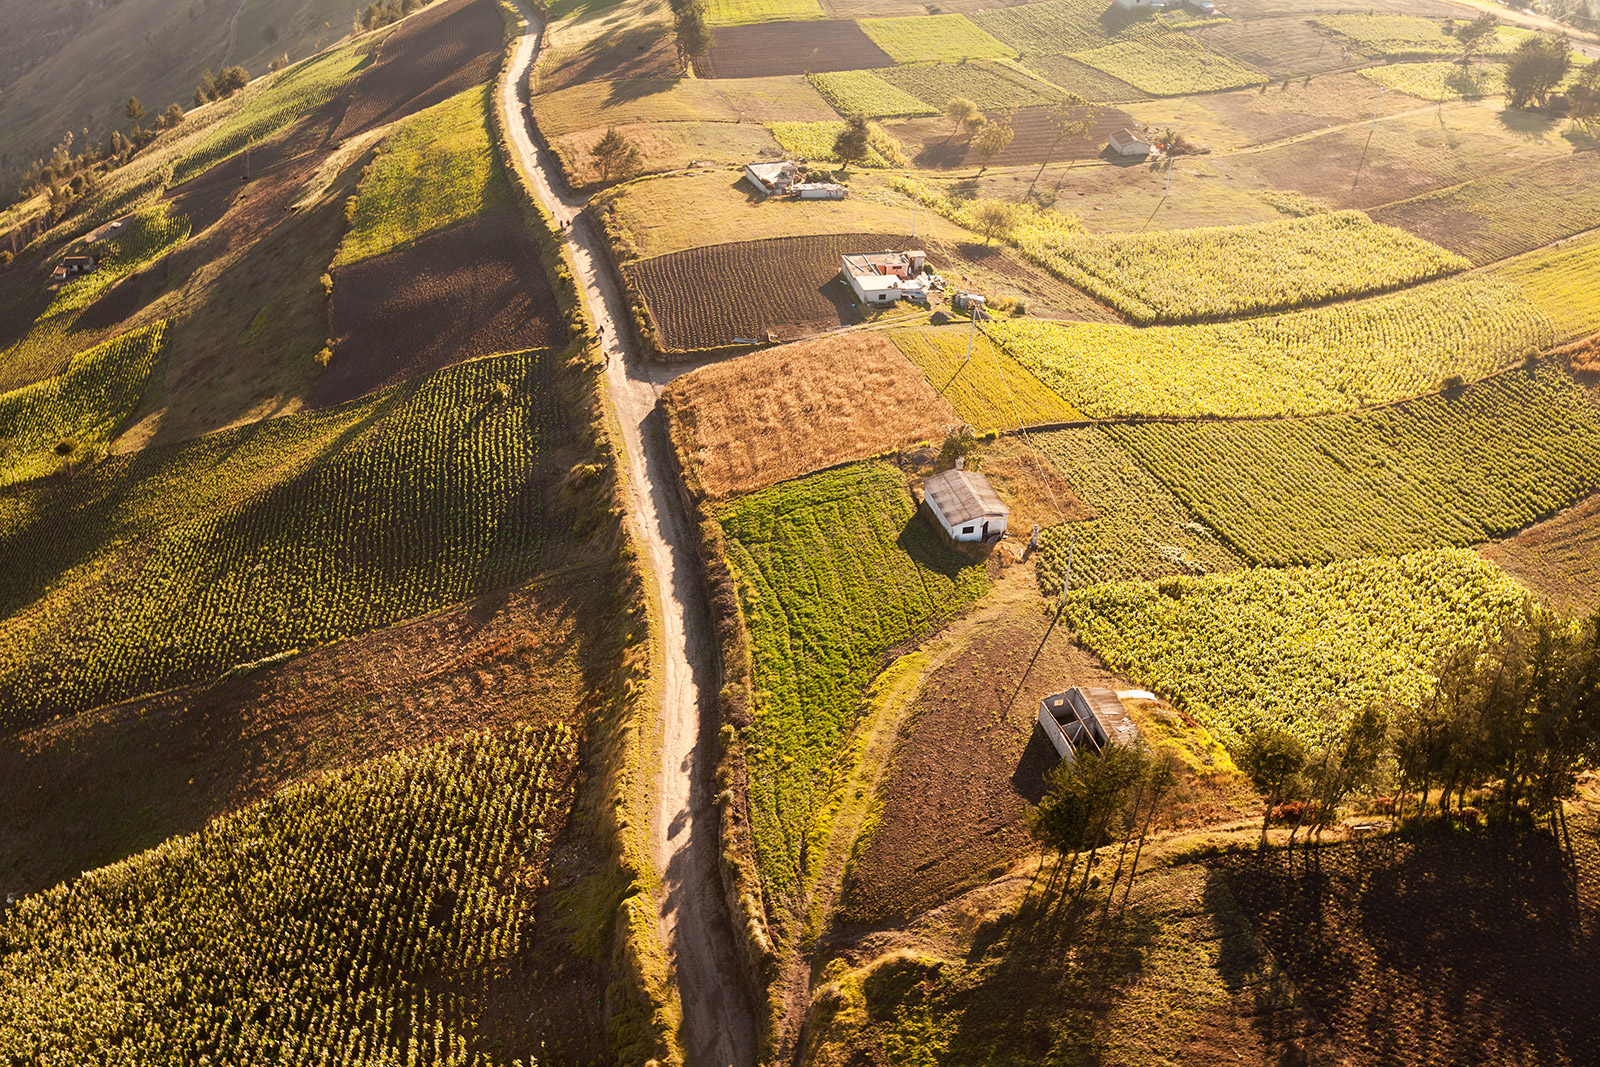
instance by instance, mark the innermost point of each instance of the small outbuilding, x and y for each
(1076, 720)
(884, 277)
(965, 506)
(820, 191)
(1125, 142)
(772, 179)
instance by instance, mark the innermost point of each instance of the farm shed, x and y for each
(821, 191)
(1142, 5)
(1075, 718)
(883, 277)
(772, 178)
(1125, 142)
(966, 506)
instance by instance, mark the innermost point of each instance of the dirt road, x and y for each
(718, 1020)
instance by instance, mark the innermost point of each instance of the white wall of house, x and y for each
(975, 530)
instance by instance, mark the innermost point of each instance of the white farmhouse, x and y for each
(884, 277)
(772, 178)
(966, 506)
(1127, 143)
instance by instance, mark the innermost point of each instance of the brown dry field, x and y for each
(931, 143)
(786, 411)
(1278, 47)
(1559, 559)
(667, 146)
(764, 49)
(632, 52)
(441, 51)
(867, 9)
(473, 289)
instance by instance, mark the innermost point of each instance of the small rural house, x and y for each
(820, 191)
(1075, 719)
(884, 277)
(73, 265)
(1125, 142)
(771, 179)
(966, 506)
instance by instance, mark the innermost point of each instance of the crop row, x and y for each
(1295, 648)
(313, 927)
(1056, 27)
(861, 92)
(431, 495)
(1138, 528)
(933, 39)
(835, 570)
(815, 140)
(1561, 283)
(1329, 359)
(988, 390)
(1451, 469)
(990, 85)
(1408, 35)
(73, 416)
(1173, 64)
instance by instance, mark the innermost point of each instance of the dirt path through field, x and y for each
(718, 1018)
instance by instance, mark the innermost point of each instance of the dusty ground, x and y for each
(443, 50)
(790, 410)
(931, 143)
(764, 49)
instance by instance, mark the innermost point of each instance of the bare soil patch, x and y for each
(473, 289)
(784, 412)
(445, 49)
(1277, 46)
(1037, 139)
(763, 49)
(1559, 559)
(637, 52)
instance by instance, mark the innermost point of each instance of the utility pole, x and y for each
(1066, 583)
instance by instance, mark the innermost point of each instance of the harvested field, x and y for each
(987, 84)
(1038, 139)
(788, 98)
(716, 295)
(998, 271)
(766, 49)
(471, 290)
(667, 146)
(1558, 559)
(1096, 86)
(1278, 47)
(444, 50)
(774, 415)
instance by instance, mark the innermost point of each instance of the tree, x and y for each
(133, 109)
(1585, 97)
(1535, 69)
(615, 156)
(1272, 758)
(993, 218)
(1475, 34)
(231, 79)
(854, 141)
(994, 139)
(690, 30)
(975, 123)
(959, 110)
(1072, 118)
(173, 115)
(207, 89)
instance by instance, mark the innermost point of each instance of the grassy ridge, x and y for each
(1267, 646)
(422, 497)
(436, 168)
(1328, 359)
(310, 928)
(836, 570)
(82, 407)
(1452, 469)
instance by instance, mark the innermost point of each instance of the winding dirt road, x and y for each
(718, 1020)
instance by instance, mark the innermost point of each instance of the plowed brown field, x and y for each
(447, 48)
(1037, 139)
(764, 49)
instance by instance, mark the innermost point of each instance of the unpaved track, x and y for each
(718, 1019)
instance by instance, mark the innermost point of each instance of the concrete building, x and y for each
(1125, 142)
(965, 506)
(820, 191)
(883, 277)
(1077, 720)
(771, 179)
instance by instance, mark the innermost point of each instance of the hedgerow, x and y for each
(835, 570)
(1454, 469)
(1296, 648)
(361, 917)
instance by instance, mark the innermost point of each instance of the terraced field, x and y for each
(1560, 283)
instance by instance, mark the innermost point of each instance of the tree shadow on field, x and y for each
(927, 548)
(1529, 125)
(631, 89)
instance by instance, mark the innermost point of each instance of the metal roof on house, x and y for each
(962, 496)
(1126, 136)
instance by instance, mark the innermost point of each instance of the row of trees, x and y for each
(1537, 70)
(221, 85)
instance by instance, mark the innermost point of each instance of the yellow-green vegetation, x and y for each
(1439, 81)
(934, 39)
(1297, 648)
(436, 168)
(175, 564)
(1172, 64)
(601, 103)
(1328, 359)
(1409, 35)
(279, 101)
(47, 348)
(1225, 271)
(861, 92)
(1138, 529)
(309, 928)
(1561, 283)
(738, 12)
(814, 140)
(70, 419)
(1054, 27)
(989, 391)
(1070, 76)
(990, 85)
(1458, 468)
(835, 569)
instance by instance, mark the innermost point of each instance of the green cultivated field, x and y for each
(1173, 64)
(1453, 469)
(1074, 77)
(175, 564)
(989, 85)
(81, 408)
(1140, 530)
(1189, 275)
(1328, 359)
(991, 392)
(934, 39)
(861, 92)
(1267, 646)
(310, 928)
(1439, 81)
(435, 169)
(1069, 26)
(1561, 283)
(738, 12)
(1408, 35)
(814, 140)
(836, 569)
